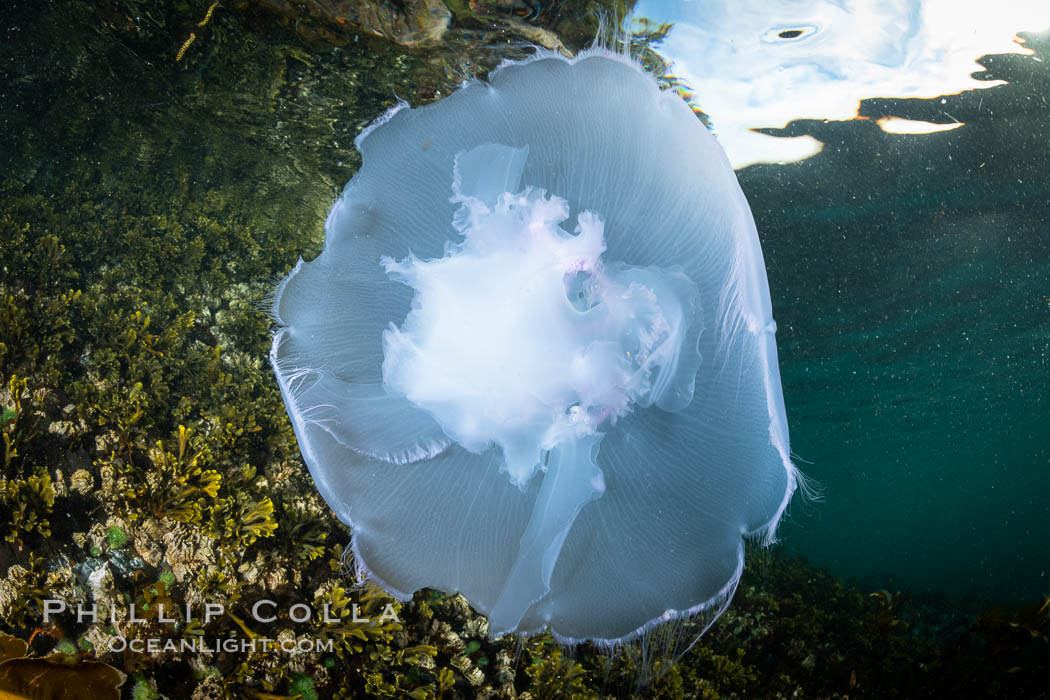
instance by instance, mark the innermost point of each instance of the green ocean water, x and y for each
(910, 279)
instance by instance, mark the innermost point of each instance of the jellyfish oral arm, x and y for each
(572, 480)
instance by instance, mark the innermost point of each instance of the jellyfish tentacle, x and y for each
(367, 419)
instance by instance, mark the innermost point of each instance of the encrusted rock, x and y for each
(148, 539)
(9, 586)
(82, 482)
(98, 634)
(476, 626)
(58, 484)
(544, 37)
(474, 676)
(61, 583)
(412, 23)
(209, 689)
(449, 639)
(186, 552)
(100, 582)
(62, 428)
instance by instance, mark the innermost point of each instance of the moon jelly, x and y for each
(535, 362)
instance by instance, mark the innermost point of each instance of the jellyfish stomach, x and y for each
(522, 336)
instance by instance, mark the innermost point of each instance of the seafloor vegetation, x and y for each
(147, 204)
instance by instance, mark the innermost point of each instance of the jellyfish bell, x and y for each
(535, 361)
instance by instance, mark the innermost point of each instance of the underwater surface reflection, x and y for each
(760, 64)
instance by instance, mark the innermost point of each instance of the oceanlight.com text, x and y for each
(156, 646)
